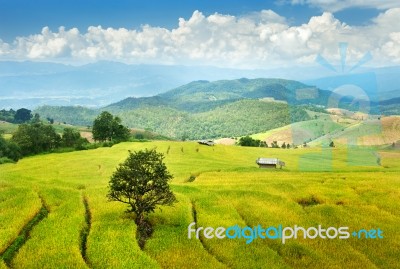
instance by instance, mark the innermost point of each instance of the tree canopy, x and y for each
(9, 150)
(22, 115)
(72, 138)
(247, 141)
(35, 138)
(106, 127)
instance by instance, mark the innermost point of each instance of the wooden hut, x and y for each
(206, 142)
(269, 163)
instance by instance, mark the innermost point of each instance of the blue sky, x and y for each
(24, 17)
(217, 32)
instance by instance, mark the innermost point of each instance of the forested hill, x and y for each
(204, 109)
(200, 96)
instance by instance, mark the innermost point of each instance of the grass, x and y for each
(331, 187)
(8, 128)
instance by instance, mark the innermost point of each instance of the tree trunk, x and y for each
(139, 218)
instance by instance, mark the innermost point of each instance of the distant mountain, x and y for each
(387, 107)
(376, 83)
(202, 95)
(31, 84)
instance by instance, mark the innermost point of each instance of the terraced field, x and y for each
(342, 130)
(59, 200)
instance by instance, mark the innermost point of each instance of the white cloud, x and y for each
(4, 48)
(337, 5)
(259, 40)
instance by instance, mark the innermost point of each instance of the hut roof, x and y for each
(268, 161)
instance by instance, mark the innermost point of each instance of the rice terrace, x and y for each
(228, 189)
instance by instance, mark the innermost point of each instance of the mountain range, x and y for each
(32, 84)
(224, 108)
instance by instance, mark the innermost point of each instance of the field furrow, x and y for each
(23, 236)
(85, 230)
(55, 241)
(112, 242)
(201, 237)
(19, 205)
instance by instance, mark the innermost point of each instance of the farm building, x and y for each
(269, 163)
(206, 142)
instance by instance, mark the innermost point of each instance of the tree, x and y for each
(36, 118)
(274, 144)
(283, 145)
(263, 144)
(9, 149)
(141, 181)
(7, 115)
(70, 137)
(107, 127)
(50, 120)
(332, 145)
(247, 141)
(22, 115)
(35, 138)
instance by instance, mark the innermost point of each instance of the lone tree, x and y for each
(141, 181)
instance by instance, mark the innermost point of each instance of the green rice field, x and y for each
(216, 186)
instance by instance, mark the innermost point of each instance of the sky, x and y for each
(227, 33)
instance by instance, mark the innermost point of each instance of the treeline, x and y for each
(248, 141)
(35, 137)
(38, 137)
(21, 115)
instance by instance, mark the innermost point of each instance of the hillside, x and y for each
(371, 132)
(75, 115)
(341, 126)
(228, 189)
(300, 132)
(201, 96)
(203, 109)
(234, 119)
(225, 108)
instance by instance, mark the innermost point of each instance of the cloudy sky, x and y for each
(228, 33)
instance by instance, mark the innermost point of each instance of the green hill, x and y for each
(76, 115)
(300, 132)
(201, 96)
(369, 132)
(234, 119)
(203, 109)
